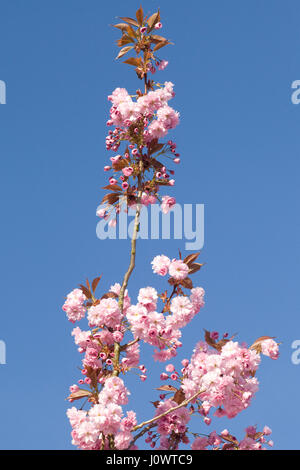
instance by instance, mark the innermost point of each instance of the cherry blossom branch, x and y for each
(117, 347)
(141, 433)
(170, 410)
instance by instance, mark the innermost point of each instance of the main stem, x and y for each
(117, 346)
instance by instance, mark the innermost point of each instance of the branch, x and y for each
(184, 403)
(117, 347)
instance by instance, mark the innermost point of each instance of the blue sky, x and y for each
(233, 64)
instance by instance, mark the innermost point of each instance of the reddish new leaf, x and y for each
(187, 283)
(96, 282)
(86, 291)
(109, 295)
(140, 16)
(130, 20)
(152, 20)
(179, 396)
(124, 51)
(191, 258)
(167, 388)
(113, 187)
(160, 45)
(79, 394)
(136, 61)
(122, 26)
(257, 344)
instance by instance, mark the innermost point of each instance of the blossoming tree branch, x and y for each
(219, 379)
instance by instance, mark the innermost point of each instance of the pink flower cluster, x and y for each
(173, 423)
(107, 313)
(90, 429)
(176, 268)
(157, 329)
(124, 111)
(74, 305)
(225, 377)
(253, 440)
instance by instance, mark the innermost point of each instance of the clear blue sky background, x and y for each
(233, 64)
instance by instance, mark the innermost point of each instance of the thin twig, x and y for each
(184, 403)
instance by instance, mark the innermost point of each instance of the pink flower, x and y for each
(127, 171)
(178, 269)
(74, 305)
(147, 296)
(168, 117)
(160, 264)
(270, 348)
(106, 313)
(163, 64)
(122, 440)
(112, 222)
(167, 203)
(267, 431)
(118, 336)
(200, 443)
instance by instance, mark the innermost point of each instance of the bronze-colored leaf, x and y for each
(120, 164)
(229, 438)
(155, 148)
(124, 51)
(228, 447)
(111, 198)
(140, 16)
(79, 394)
(167, 388)
(160, 45)
(155, 403)
(113, 187)
(187, 283)
(125, 39)
(131, 32)
(191, 258)
(86, 291)
(96, 282)
(179, 396)
(257, 344)
(194, 267)
(136, 61)
(172, 281)
(121, 26)
(152, 20)
(211, 342)
(109, 295)
(156, 38)
(130, 21)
